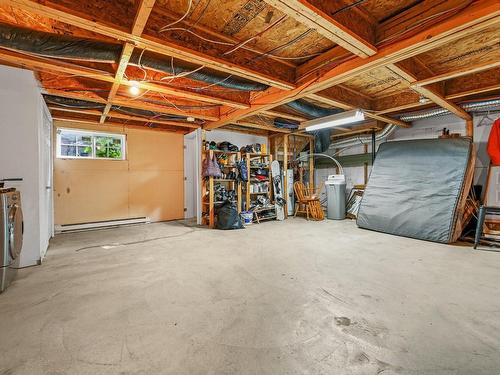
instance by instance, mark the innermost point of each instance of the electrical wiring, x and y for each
(421, 24)
(286, 45)
(243, 45)
(347, 7)
(190, 3)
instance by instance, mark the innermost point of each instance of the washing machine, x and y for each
(11, 235)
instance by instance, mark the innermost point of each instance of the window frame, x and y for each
(93, 135)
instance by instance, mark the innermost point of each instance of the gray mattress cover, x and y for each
(414, 188)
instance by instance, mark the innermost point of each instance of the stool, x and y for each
(483, 211)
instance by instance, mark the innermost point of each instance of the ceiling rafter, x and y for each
(66, 120)
(408, 75)
(114, 114)
(457, 73)
(476, 17)
(141, 17)
(315, 15)
(57, 67)
(127, 103)
(149, 43)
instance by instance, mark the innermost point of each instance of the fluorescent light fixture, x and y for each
(338, 119)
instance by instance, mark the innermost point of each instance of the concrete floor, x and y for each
(277, 298)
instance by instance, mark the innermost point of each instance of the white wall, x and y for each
(236, 138)
(21, 118)
(427, 128)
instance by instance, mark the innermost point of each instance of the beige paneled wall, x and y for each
(149, 183)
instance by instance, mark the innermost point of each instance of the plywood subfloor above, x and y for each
(376, 83)
(478, 48)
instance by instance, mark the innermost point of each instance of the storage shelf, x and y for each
(222, 152)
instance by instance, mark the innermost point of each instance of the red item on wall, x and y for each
(494, 143)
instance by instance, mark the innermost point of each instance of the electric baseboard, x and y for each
(100, 224)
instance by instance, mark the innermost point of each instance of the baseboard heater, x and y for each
(100, 224)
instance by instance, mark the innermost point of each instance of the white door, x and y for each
(192, 187)
(46, 176)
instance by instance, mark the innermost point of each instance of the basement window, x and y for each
(83, 144)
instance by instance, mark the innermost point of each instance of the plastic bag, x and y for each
(228, 217)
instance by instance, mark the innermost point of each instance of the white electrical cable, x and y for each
(190, 4)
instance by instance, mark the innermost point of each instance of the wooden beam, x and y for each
(141, 17)
(457, 73)
(476, 17)
(130, 104)
(316, 17)
(410, 77)
(253, 125)
(146, 42)
(55, 66)
(285, 115)
(113, 124)
(407, 101)
(114, 114)
(122, 66)
(418, 15)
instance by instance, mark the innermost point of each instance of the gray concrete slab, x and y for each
(290, 297)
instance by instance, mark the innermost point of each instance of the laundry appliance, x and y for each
(11, 235)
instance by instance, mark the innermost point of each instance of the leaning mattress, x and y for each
(416, 188)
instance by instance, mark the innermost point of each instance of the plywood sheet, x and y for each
(382, 9)
(480, 48)
(149, 183)
(376, 83)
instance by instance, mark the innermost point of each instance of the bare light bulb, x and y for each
(134, 88)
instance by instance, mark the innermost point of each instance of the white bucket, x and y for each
(247, 217)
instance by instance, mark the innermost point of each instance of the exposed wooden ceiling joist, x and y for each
(409, 76)
(476, 17)
(147, 42)
(65, 120)
(145, 8)
(57, 67)
(315, 15)
(457, 73)
(136, 104)
(114, 114)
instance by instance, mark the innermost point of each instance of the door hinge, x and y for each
(185, 209)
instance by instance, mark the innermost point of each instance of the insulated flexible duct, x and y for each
(285, 124)
(83, 104)
(312, 110)
(68, 47)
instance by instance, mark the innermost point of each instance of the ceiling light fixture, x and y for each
(338, 119)
(134, 88)
(422, 99)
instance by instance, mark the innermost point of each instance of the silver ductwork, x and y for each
(389, 129)
(469, 107)
(363, 139)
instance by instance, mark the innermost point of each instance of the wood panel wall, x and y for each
(150, 182)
